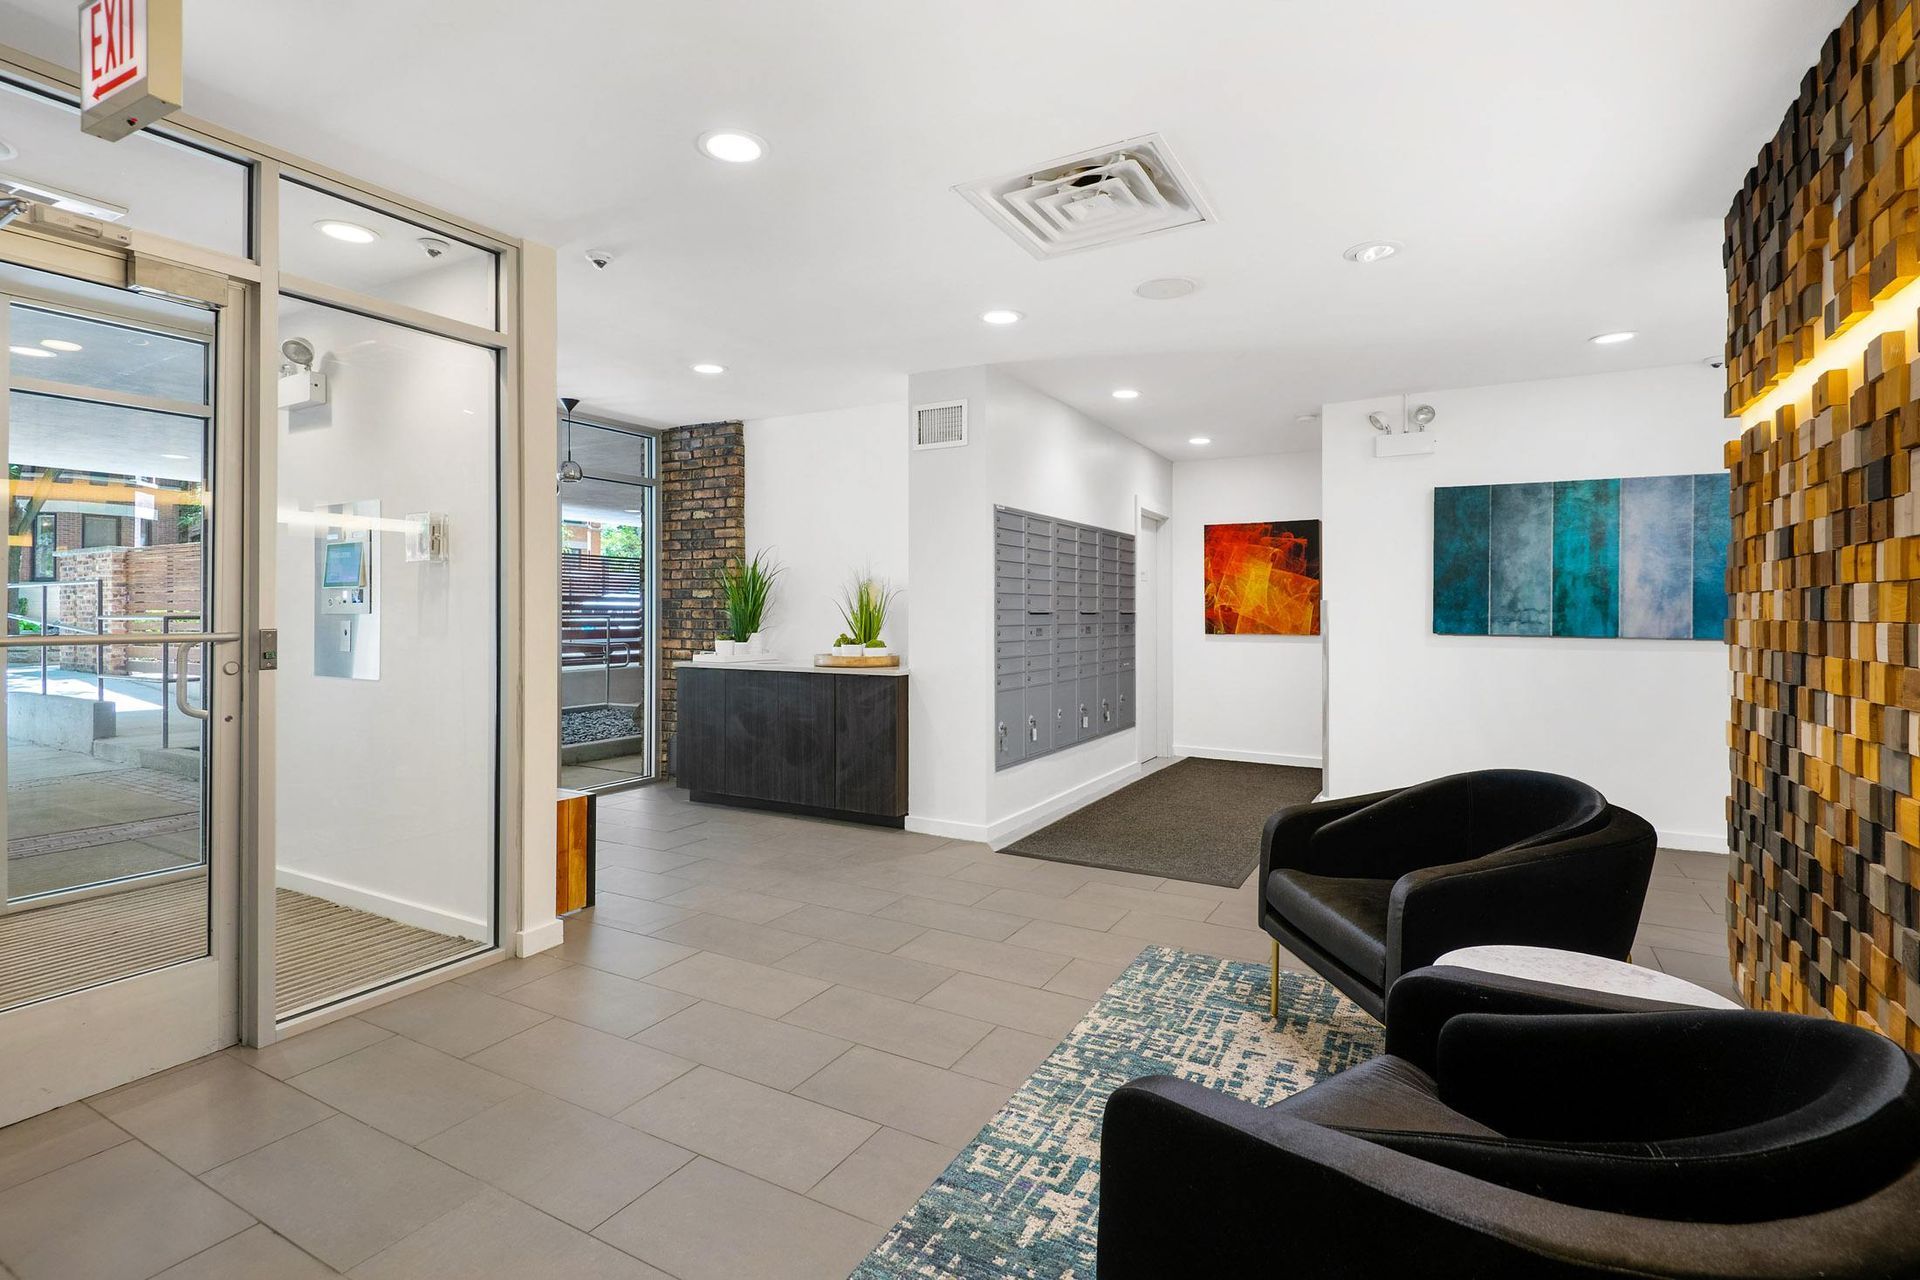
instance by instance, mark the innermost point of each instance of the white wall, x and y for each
(827, 496)
(1026, 450)
(385, 788)
(1643, 720)
(1238, 697)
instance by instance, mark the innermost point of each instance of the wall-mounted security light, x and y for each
(1411, 439)
(300, 386)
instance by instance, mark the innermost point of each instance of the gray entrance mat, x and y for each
(1199, 821)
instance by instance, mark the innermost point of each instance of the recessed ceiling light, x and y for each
(1307, 419)
(1608, 339)
(176, 457)
(1000, 315)
(735, 146)
(350, 232)
(708, 367)
(1371, 251)
(632, 511)
(1199, 439)
(8, 151)
(59, 344)
(1125, 393)
(40, 352)
(1166, 288)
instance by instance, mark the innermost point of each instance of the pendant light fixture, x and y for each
(571, 472)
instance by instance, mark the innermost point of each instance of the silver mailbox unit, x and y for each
(1063, 634)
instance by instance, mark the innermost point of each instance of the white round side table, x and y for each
(1588, 973)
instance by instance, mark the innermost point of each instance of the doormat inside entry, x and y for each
(1199, 821)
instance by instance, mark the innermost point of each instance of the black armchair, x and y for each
(1371, 887)
(1696, 1143)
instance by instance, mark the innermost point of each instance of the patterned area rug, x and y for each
(1023, 1200)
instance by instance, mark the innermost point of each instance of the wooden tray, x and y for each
(835, 660)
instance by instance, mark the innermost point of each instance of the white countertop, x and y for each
(782, 664)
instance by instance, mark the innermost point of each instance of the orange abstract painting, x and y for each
(1263, 579)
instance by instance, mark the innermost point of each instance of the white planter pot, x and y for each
(850, 650)
(724, 648)
(757, 643)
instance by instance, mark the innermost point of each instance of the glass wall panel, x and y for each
(387, 688)
(607, 650)
(50, 345)
(338, 242)
(108, 504)
(167, 187)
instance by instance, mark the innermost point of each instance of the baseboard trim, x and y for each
(416, 914)
(1249, 757)
(1692, 841)
(1033, 817)
(946, 829)
(1029, 820)
(544, 936)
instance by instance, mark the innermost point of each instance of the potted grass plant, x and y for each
(746, 590)
(863, 608)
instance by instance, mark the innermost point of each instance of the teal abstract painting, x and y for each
(1712, 529)
(1461, 532)
(1586, 558)
(1656, 558)
(1638, 558)
(1521, 573)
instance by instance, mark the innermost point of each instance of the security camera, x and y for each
(434, 246)
(600, 258)
(1715, 362)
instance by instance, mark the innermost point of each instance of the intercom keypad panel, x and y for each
(1063, 652)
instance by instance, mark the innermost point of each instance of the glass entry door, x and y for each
(607, 608)
(117, 903)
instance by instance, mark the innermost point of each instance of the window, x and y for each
(45, 542)
(357, 247)
(100, 531)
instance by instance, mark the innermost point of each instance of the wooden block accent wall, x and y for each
(703, 523)
(1828, 221)
(1824, 570)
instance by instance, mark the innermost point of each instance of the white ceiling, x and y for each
(1553, 170)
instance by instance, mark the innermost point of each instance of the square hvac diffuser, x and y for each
(1099, 197)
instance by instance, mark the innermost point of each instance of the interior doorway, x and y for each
(608, 603)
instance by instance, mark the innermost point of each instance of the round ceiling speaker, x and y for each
(1167, 288)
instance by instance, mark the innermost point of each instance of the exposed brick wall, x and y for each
(703, 523)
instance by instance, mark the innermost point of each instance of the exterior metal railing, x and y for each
(55, 634)
(166, 621)
(47, 622)
(606, 641)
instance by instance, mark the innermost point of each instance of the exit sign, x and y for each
(129, 64)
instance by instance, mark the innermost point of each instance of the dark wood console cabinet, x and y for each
(812, 741)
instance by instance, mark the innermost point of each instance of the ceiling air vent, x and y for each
(1099, 197)
(940, 426)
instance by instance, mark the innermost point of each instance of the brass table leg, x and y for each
(1273, 989)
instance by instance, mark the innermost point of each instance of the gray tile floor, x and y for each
(756, 1051)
